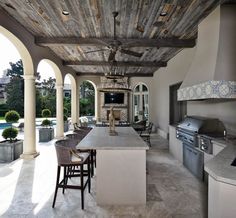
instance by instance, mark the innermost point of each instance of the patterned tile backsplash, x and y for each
(209, 89)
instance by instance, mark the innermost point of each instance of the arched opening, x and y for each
(29, 147)
(140, 102)
(45, 89)
(88, 101)
(11, 78)
(69, 85)
(51, 86)
(70, 100)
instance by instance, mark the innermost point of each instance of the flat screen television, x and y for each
(114, 98)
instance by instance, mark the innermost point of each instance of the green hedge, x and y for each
(3, 112)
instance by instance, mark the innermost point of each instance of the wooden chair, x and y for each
(73, 164)
(146, 134)
(139, 126)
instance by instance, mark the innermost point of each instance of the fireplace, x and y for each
(120, 109)
(117, 114)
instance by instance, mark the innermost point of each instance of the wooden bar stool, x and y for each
(73, 163)
(77, 138)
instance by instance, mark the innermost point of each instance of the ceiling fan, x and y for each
(116, 45)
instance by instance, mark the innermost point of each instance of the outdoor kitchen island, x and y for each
(121, 165)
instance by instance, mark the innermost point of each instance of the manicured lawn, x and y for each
(2, 118)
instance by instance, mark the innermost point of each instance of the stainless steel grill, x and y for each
(192, 126)
(188, 131)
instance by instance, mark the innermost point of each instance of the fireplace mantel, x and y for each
(114, 106)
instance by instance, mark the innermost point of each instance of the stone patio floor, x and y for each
(27, 188)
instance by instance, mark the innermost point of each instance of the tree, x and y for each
(67, 104)
(15, 88)
(87, 94)
(49, 85)
(48, 99)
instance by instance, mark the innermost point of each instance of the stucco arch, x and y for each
(28, 65)
(56, 70)
(95, 96)
(29, 148)
(59, 97)
(74, 98)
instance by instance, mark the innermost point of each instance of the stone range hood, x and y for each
(212, 74)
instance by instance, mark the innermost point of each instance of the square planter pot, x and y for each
(10, 151)
(66, 126)
(46, 134)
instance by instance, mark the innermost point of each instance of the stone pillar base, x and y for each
(29, 156)
(60, 137)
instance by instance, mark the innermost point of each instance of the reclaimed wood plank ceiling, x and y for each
(156, 29)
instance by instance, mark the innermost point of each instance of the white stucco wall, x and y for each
(175, 72)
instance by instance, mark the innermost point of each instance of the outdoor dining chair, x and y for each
(145, 135)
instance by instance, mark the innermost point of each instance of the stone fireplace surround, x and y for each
(120, 110)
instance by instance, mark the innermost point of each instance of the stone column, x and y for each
(29, 147)
(96, 105)
(74, 103)
(78, 97)
(60, 120)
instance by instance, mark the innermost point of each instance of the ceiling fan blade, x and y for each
(133, 53)
(95, 51)
(112, 56)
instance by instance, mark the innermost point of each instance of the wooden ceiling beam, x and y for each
(162, 42)
(127, 74)
(117, 63)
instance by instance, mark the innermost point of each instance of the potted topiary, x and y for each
(46, 133)
(66, 123)
(11, 148)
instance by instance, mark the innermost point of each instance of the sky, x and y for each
(8, 53)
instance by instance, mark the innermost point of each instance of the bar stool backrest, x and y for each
(75, 136)
(63, 155)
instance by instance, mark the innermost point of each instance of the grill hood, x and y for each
(202, 125)
(212, 74)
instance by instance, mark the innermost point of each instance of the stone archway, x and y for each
(95, 96)
(59, 97)
(29, 148)
(74, 99)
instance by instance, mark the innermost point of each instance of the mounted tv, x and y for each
(114, 98)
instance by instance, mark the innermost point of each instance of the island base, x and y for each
(121, 177)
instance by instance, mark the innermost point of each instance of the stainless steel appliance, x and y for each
(193, 160)
(205, 144)
(188, 131)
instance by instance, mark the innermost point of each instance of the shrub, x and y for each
(46, 123)
(65, 118)
(12, 116)
(65, 110)
(46, 113)
(10, 133)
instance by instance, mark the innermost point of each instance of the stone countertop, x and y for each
(220, 166)
(99, 139)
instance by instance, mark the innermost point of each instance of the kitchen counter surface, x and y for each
(126, 139)
(220, 166)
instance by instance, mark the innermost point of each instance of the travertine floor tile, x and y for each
(27, 189)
